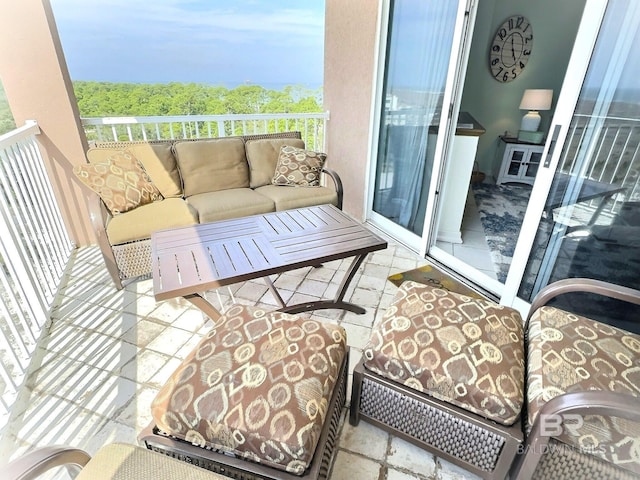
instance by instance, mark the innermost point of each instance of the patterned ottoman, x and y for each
(259, 397)
(446, 372)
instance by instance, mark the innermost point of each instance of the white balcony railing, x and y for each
(110, 129)
(613, 145)
(34, 251)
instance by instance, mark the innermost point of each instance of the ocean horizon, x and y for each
(277, 86)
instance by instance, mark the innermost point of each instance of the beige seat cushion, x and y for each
(212, 165)
(258, 386)
(234, 203)
(119, 461)
(158, 162)
(570, 353)
(465, 351)
(262, 156)
(138, 224)
(286, 197)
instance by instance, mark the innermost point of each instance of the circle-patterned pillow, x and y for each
(298, 167)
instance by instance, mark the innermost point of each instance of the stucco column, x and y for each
(349, 62)
(35, 78)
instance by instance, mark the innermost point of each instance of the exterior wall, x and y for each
(38, 87)
(349, 62)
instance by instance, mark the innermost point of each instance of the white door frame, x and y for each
(586, 38)
(446, 128)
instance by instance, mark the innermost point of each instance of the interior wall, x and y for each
(495, 104)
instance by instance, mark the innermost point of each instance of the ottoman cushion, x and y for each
(571, 353)
(257, 386)
(465, 351)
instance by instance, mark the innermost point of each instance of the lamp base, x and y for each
(530, 137)
(531, 121)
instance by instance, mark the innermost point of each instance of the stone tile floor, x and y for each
(107, 352)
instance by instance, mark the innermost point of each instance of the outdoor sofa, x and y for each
(176, 183)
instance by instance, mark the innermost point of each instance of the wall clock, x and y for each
(510, 48)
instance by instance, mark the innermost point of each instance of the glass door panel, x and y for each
(590, 225)
(416, 68)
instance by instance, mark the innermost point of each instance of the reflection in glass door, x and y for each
(591, 221)
(417, 58)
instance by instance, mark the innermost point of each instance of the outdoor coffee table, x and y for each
(188, 261)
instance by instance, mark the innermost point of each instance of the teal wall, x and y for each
(494, 104)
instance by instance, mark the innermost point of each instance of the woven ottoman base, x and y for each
(477, 444)
(241, 469)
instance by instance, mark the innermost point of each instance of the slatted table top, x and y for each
(197, 258)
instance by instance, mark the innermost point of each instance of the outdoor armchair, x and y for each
(113, 462)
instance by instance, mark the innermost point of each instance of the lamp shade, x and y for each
(536, 99)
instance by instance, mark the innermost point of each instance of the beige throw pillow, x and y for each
(121, 182)
(298, 167)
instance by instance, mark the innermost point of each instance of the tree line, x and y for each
(103, 99)
(107, 99)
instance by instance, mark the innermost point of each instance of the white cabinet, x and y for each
(520, 162)
(458, 177)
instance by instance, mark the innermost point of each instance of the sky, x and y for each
(271, 43)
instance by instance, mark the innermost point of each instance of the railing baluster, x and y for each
(191, 126)
(34, 251)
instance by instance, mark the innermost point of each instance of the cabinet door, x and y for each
(532, 164)
(516, 159)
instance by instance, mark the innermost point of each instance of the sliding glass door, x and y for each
(420, 45)
(586, 217)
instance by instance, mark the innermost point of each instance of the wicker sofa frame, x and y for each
(241, 469)
(133, 259)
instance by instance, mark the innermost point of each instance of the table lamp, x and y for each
(533, 100)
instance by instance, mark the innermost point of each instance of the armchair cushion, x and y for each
(571, 353)
(120, 181)
(298, 167)
(462, 350)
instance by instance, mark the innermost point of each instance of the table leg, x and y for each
(205, 305)
(338, 302)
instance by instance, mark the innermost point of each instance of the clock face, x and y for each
(511, 48)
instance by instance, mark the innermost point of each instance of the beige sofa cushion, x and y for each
(212, 165)
(262, 156)
(286, 198)
(158, 162)
(138, 224)
(233, 203)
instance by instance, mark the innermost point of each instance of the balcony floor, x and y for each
(107, 353)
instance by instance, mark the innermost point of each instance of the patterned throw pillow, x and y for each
(121, 182)
(298, 167)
